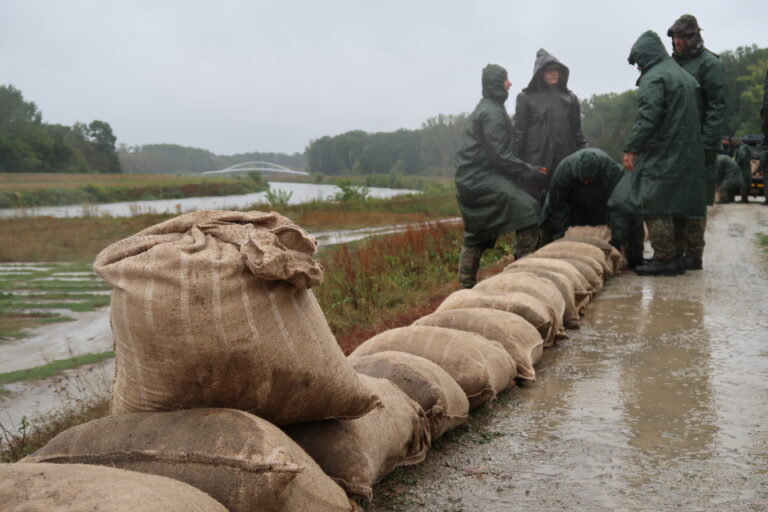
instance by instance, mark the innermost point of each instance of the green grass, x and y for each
(53, 368)
(762, 241)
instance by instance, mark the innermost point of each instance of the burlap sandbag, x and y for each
(519, 338)
(564, 267)
(571, 319)
(358, 453)
(536, 312)
(533, 285)
(588, 267)
(582, 249)
(601, 232)
(243, 461)
(85, 488)
(481, 367)
(612, 255)
(441, 398)
(212, 309)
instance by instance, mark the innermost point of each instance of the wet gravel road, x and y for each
(659, 402)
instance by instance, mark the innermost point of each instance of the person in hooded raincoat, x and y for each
(764, 110)
(488, 174)
(689, 52)
(578, 196)
(664, 154)
(729, 178)
(743, 159)
(547, 122)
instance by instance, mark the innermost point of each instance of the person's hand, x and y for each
(542, 170)
(710, 155)
(629, 161)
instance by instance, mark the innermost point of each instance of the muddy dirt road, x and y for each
(659, 402)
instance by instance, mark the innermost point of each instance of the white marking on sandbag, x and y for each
(218, 315)
(246, 302)
(184, 299)
(149, 291)
(281, 325)
(301, 312)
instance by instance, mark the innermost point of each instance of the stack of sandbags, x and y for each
(359, 453)
(574, 303)
(583, 290)
(481, 367)
(213, 309)
(612, 255)
(242, 461)
(81, 488)
(601, 232)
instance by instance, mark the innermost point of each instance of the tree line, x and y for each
(27, 144)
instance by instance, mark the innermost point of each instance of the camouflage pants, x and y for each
(526, 241)
(665, 235)
(694, 237)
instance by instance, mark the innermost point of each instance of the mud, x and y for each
(657, 403)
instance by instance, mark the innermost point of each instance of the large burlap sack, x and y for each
(519, 338)
(536, 312)
(212, 309)
(601, 232)
(581, 249)
(481, 367)
(84, 488)
(533, 285)
(571, 319)
(564, 267)
(358, 453)
(612, 255)
(243, 461)
(441, 398)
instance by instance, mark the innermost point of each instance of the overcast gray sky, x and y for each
(234, 76)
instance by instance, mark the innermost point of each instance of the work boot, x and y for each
(659, 268)
(691, 263)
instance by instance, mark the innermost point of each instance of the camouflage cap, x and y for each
(686, 25)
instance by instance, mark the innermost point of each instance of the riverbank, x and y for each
(28, 190)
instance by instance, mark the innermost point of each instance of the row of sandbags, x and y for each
(214, 322)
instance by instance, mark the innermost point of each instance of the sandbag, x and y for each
(242, 461)
(537, 313)
(212, 309)
(533, 285)
(85, 488)
(588, 267)
(481, 367)
(358, 453)
(581, 249)
(612, 255)
(571, 319)
(564, 267)
(441, 398)
(601, 232)
(519, 338)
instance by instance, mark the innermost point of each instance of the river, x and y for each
(299, 193)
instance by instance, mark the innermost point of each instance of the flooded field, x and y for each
(657, 403)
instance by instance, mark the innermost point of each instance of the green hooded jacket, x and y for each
(669, 168)
(488, 173)
(728, 174)
(579, 193)
(764, 110)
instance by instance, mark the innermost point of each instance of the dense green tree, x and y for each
(607, 119)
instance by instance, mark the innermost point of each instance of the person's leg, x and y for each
(469, 264)
(662, 234)
(527, 241)
(694, 251)
(635, 243)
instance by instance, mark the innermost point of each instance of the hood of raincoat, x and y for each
(589, 165)
(494, 77)
(544, 60)
(647, 51)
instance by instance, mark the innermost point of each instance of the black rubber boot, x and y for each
(691, 263)
(659, 268)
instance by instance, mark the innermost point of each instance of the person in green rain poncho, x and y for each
(729, 179)
(488, 180)
(578, 196)
(664, 155)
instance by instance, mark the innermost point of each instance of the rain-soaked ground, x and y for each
(659, 402)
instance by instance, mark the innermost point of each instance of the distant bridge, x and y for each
(258, 167)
